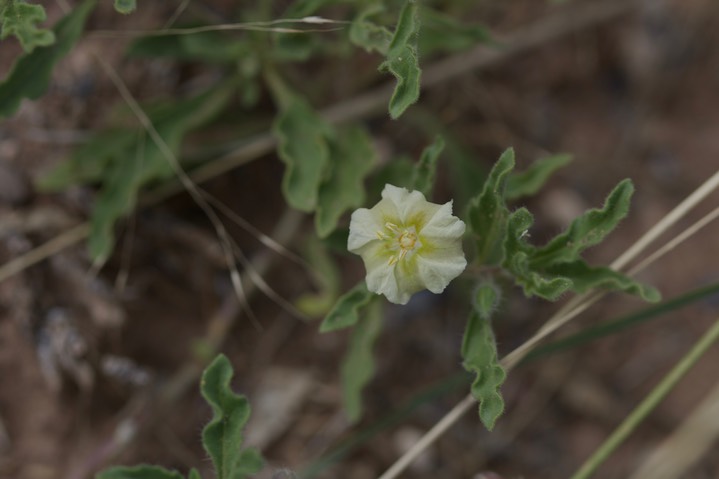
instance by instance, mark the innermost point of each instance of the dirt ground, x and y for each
(101, 368)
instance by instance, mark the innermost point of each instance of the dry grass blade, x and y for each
(545, 30)
(259, 235)
(686, 445)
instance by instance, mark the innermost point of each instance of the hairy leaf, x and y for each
(585, 277)
(327, 276)
(424, 172)
(303, 147)
(398, 171)
(530, 181)
(206, 47)
(20, 19)
(358, 365)
(517, 254)
(143, 162)
(479, 353)
(488, 211)
(90, 162)
(368, 35)
(352, 158)
(222, 436)
(30, 76)
(487, 299)
(443, 33)
(402, 61)
(347, 309)
(125, 6)
(138, 472)
(587, 230)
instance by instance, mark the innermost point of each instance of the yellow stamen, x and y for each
(392, 227)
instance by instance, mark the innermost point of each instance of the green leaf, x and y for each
(205, 47)
(138, 472)
(588, 229)
(19, 18)
(125, 6)
(143, 162)
(352, 158)
(248, 463)
(397, 171)
(402, 61)
(347, 309)
(479, 352)
(585, 277)
(303, 8)
(530, 181)
(90, 162)
(486, 300)
(30, 76)
(368, 35)
(222, 436)
(517, 254)
(488, 211)
(327, 275)
(425, 170)
(443, 33)
(358, 365)
(303, 147)
(194, 474)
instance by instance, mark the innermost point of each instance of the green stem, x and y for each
(648, 404)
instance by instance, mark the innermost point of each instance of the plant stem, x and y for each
(648, 404)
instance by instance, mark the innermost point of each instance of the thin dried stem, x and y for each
(686, 445)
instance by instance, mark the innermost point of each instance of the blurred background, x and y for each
(101, 367)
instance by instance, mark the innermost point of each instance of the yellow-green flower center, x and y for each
(399, 241)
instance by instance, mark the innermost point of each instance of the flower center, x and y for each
(399, 241)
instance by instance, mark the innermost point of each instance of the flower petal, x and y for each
(412, 207)
(381, 277)
(437, 273)
(363, 229)
(443, 225)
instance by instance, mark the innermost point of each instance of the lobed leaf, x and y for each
(327, 275)
(368, 35)
(303, 147)
(222, 436)
(125, 6)
(142, 162)
(486, 300)
(424, 171)
(588, 229)
(488, 212)
(402, 61)
(139, 472)
(346, 311)
(20, 19)
(351, 158)
(206, 47)
(479, 353)
(443, 33)
(30, 75)
(90, 162)
(358, 365)
(530, 181)
(585, 277)
(517, 254)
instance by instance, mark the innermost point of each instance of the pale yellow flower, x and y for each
(407, 244)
